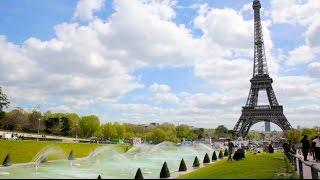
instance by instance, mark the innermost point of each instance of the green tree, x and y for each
(4, 102)
(211, 133)
(169, 130)
(221, 130)
(200, 133)
(253, 135)
(33, 119)
(310, 132)
(52, 125)
(108, 131)
(65, 126)
(293, 135)
(183, 131)
(121, 130)
(74, 118)
(89, 125)
(129, 135)
(158, 135)
(15, 120)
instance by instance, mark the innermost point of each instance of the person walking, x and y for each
(313, 148)
(317, 149)
(230, 150)
(305, 147)
(286, 148)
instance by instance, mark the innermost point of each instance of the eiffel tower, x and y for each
(253, 113)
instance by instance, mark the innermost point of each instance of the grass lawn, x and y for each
(260, 166)
(24, 151)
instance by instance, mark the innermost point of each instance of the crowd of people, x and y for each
(307, 147)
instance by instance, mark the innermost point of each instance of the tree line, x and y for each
(73, 125)
(296, 135)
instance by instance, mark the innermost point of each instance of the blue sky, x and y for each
(144, 61)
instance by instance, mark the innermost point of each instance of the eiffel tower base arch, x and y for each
(253, 115)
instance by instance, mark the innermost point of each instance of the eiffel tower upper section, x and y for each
(260, 79)
(260, 68)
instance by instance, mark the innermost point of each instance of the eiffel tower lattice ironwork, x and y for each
(252, 112)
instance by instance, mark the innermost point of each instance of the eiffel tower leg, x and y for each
(246, 130)
(253, 97)
(281, 121)
(246, 127)
(272, 97)
(242, 127)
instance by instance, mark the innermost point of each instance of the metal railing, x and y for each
(314, 168)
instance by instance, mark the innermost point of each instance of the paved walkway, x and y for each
(307, 169)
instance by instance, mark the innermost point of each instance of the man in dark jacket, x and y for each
(286, 148)
(305, 147)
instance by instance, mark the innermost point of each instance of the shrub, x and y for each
(206, 158)
(182, 166)
(165, 173)
(196, 162)
(139, 174)
(220, 154)
(71, 156)
(239, 154)
(214, 156)
(99, 177)
(7, 160)
(226, 152)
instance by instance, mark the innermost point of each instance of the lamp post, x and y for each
(76, 133)
(38, 129)
(143, 134)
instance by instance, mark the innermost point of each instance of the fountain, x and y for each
(49, 151)
(107, 162)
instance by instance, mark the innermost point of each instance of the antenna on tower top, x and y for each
(256, 4)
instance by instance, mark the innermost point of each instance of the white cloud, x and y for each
(60, 109)
(228, 28)
(74, 64)
(246, 7)
(300, 55)
(313, 33)
(304, 13)
(314, 69)
(166, 99)
(146, 35)
(86, 8)
(292, 88)
(295, 11)
(225, 74)
(162, 95)
(217, 25)
(160, 88)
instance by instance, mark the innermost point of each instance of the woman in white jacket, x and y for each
(317, 149)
